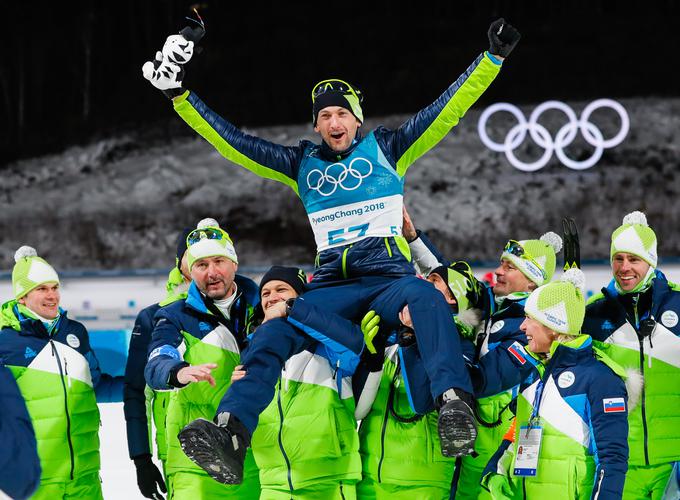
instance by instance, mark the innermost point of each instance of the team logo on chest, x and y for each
(566, 379)
(497, 326)
(669, 319)
(73, 341)
(348, 178)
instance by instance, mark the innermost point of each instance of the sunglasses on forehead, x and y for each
(514, 247)
(334, 85)
(207, 233)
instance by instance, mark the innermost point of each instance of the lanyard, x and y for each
(533, 421)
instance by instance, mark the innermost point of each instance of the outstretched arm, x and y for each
(422, 132)
(266, 159)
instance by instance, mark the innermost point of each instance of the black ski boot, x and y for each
(219, 449)
(456, 424)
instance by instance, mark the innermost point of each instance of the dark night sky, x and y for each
(71, 71)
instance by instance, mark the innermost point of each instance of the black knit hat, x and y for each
(443, 272)
(292, 275)
(182, 246)
(336, 93)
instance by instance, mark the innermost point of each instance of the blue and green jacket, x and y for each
(579, 399)
(354, 197)
(56, 371)
(641, 332)
(195, 317)
(19, 462)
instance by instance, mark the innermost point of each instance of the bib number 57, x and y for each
(340, 235)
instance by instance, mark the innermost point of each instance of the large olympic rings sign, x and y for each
(565, 135)
(338, 174)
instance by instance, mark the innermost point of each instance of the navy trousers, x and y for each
(277, 340)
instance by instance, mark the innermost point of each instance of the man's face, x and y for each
(337, 126)
(628, 270)
(540, 337)
(443, 287)
(214, 276)
(43, 300)
(509, 280)
(276, 291)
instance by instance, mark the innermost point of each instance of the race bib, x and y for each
(337, 226)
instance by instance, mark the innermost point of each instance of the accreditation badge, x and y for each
(528, 449)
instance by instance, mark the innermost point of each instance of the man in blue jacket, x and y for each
(135, 394)
(19, 463)
(352, 190)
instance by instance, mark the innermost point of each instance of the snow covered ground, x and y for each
(119, 480)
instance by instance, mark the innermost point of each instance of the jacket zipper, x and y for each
(642, 399)
(283, 451)
(382, 442)
(599, 484)
(68, 417)
(643, 409)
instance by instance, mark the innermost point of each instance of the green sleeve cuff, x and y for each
(180, 99)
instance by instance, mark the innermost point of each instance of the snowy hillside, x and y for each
(119, 203)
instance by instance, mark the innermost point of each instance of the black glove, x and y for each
(502, 38)
(149, 478)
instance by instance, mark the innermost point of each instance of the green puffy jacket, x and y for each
(307, 434)
(581, 405)
(198, 400)
(654, 435)
(397, 452)
(54, 376)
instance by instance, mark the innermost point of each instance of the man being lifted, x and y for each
(352, 189)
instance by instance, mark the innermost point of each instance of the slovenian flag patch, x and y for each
(614, 405)
(517, 351)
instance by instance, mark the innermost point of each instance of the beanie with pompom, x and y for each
(537, 259)
(635, 237)
(30, 271)
(560, 305)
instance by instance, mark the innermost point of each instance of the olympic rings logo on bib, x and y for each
(338, 174)
(565, 135)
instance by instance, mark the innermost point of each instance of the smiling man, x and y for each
(636, 316)
(57, 373)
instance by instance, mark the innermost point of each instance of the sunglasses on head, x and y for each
(334, 85)
(206, 233)
(514, 247)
